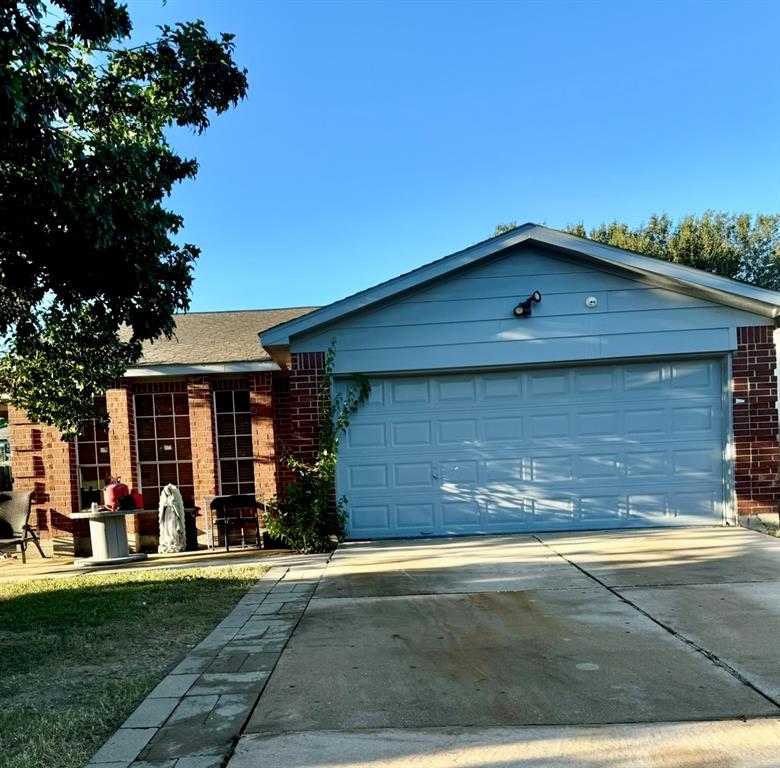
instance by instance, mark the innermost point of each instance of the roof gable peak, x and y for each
(663, 273)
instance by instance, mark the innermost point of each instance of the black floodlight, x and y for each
(523, 309)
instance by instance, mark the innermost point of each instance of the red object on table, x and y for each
(139, 500)
(114, 492)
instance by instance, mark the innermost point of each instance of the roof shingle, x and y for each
(217, 337)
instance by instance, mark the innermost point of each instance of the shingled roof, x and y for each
(207, 338)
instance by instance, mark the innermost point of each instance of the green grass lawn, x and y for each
(79, 653)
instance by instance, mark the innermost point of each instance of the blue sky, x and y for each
(378, 136)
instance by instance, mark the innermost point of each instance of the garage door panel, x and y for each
(406, 391)
(596, 381)
(552, 510)
(500, 428)
(551, 469)
(456, 431)
(414, 474)
(459, 472)
(501, 387)
(602, 446)
(510, 513)
(605, 509)
(649, 465)
(645, 421)
(694, 505)
(549, 425)
(366, 436)
(368, 476)
(460, 390)
(696, 376)
(645, 378)
(500, 470)
(694, 419)
(543, 386)
(370, 519)
(410, 433)
(415, 516)
(604, 466)
(460, 513)
(598, 423)
(695, 462)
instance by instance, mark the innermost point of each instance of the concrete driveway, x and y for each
(504, 651)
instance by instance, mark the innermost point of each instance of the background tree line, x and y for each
(737, 245)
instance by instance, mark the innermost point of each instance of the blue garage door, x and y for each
(614, 446)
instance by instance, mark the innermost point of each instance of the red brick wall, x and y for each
(263, 447)
(297, 415)
(756, 422)
(200, 395)
(61, 482)
(44, 464)
(282, 427)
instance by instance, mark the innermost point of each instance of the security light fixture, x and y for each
(523, 309)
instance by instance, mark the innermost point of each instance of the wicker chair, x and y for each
(15, 530)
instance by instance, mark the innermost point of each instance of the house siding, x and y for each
(466, 320)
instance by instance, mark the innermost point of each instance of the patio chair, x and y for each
(237, 509)
(15, 530)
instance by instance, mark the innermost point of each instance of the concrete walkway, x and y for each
(646, 648)
(194, 716)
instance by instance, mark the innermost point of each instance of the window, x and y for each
(162, 428)
(234, 442)
(93, 458)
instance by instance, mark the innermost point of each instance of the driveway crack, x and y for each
(709, 655)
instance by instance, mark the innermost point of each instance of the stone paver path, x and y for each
(193, 717)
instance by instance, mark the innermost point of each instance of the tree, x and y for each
(739, 246)
(504, 226)
(90, 266)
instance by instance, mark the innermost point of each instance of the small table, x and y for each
(109, 537)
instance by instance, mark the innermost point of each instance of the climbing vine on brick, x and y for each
(307, 515)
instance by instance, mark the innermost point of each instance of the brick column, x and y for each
(203, 438)
(300, 434)
(756, 422)
(263, 447)
(121, 445)
(62, 487)
(121, 434)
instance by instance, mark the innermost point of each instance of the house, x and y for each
(635, 393)
(535, 381)
(205, 410)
